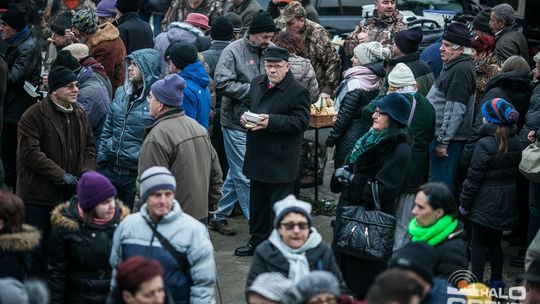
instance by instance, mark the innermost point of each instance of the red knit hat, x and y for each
(136, 270)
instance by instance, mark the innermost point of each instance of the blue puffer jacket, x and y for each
(196, 102)
(122, 135)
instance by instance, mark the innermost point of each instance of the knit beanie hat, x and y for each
(291, 204)
(499, 111)
(61, 23)
(182, 54)
(235, 20)
(198, 20)
(64, 58)
(85, 21)
(371, 52)
(408, 40)
(317, 282)
(481, 20)
(13, 292)
(222, 29)
(154, 179)
(126, 6)
(78, 50)
(106, 8)
(262, 22)
(396, 106)
(93, 189)
(169, 90)
(136, 270)
(458, 33)
(15, 19)
(401, 76)
(274, 287)
(418, 257)
(60, 76)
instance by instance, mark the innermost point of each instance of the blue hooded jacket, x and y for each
(196, 102)
(123, 132)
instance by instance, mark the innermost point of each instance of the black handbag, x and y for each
(364, 233)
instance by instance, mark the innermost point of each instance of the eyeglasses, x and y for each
(290, 226)
(72, 86)
(274, 66)
(378, 113)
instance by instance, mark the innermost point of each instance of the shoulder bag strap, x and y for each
(375, 192)
(180, 257)
(413, 107)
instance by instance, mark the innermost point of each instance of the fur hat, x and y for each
(396, 106)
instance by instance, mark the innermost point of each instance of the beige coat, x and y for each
(179, 143)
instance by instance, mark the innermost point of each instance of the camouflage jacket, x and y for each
(323, 56)
(375, 29)
(179, 9)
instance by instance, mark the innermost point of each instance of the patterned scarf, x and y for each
(368, 140)
(435, 233)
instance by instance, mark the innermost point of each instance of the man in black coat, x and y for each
(135, 33)
(23, 58)
(273, 142)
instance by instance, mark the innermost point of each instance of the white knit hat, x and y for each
(77, 50)
(401, 76)
(275, 287)
(371, 52)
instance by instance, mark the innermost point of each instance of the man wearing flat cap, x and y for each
(23, 58)
(56, 146)
(273, 143)
(452, 96)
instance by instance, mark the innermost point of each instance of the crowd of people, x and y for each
(124, 123)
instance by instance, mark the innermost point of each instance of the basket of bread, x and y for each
(322, 113)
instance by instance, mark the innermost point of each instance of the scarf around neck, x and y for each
(95, 220)
(365, 78)
(364, 143)
(298, 263)
(434, 234)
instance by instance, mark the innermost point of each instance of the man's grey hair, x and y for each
(466, 50)
(504, 12)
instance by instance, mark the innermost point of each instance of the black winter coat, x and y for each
(268, 258)
(421, 70)
(389, 164)
(532, 118)
(489, 191)
(451, 254)
(79, 269)
(158, 7)
(24, 63)
(273, 154)
(349, 126)
(15, 249)
(135, 33)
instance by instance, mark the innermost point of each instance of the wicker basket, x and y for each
(320, 121)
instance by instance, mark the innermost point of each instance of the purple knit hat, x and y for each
(106, 8)
(169, 90)
(93, 189)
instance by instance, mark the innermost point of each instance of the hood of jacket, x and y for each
(65, 215)
(489, 129)
(25, 240)
(510, 80)
(148, 62)
(84, 75)
(105, 32)
(196, 73)
(377, 68)
(176, 31)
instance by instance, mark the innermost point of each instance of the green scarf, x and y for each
(368, 140)
(435, 233)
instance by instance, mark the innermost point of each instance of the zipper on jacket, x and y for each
(123, 131)
(366, 234)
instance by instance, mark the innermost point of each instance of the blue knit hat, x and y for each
(396, 106)
(154, 179)
(169, 90)
(499, 111)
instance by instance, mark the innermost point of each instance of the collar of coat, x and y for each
(405, 58)
(172, 113)
(25, 240)
(512, 28)
(126, 16)
(285, 82)
(105, 32)
(63, 217)
(458, 59)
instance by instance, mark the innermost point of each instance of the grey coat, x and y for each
(305, 74)
(511, 41)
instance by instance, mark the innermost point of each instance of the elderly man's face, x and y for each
(276, 70)
(67, 95)
(385, 7)
(448, 52)
(7, 30)
(494, 24)
(160, 203)
(261, 40)
(58, 40)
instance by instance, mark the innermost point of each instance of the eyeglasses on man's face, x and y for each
(290, 226)
(274, 66)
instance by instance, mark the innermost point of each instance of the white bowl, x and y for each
(252, 117)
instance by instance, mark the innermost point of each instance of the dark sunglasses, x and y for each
(290, 226)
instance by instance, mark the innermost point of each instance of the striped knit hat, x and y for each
(154, 179)
(499, 111)
(371, 52)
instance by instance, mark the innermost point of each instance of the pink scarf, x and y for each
(368, 81)
(95, 221)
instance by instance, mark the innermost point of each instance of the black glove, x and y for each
(343, 175)
(69, 179)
